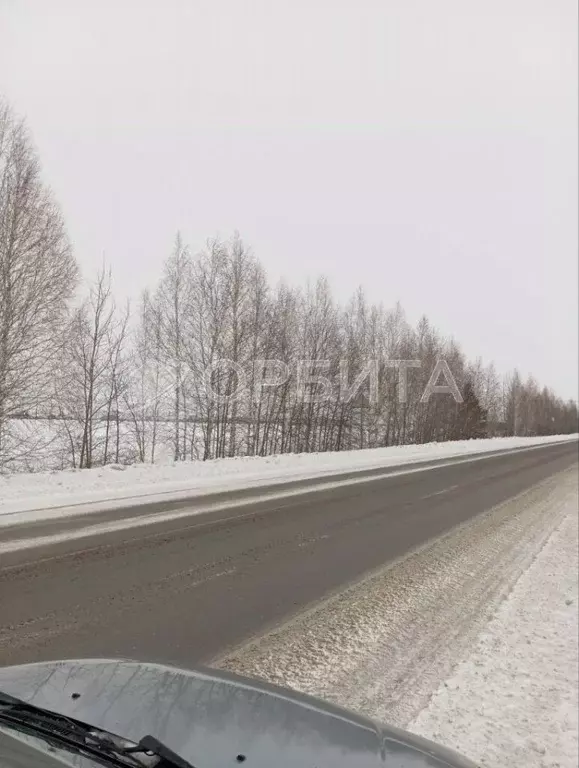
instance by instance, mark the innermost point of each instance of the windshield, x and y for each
(19, 747)
(57, 733)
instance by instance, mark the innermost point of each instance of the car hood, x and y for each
(214, 719)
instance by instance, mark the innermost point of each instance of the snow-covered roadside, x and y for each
(514, 700)
(118, 484)
(384, 645)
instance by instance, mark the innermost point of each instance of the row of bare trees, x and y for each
(217, 306)
(218, 363)
(215, 362)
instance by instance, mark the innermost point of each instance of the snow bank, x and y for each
(513, 702)
(34, 490)
(45, 490)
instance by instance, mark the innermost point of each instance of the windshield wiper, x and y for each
(78, 737)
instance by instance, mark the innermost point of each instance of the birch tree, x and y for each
(38, 275)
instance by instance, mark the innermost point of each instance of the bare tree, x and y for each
(38, 275)
(87, 381)
(146, 393)
(170, 302)
(119, 382)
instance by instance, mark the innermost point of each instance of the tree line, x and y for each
(84, 382)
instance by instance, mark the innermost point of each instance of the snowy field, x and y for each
(470, 640)
(119, 484)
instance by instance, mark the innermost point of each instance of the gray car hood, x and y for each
(212, 718)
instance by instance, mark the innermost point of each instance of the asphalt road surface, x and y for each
(186, 590)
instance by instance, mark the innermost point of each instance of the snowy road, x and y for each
(369, 595)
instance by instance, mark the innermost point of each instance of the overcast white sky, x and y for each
(425, 149)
